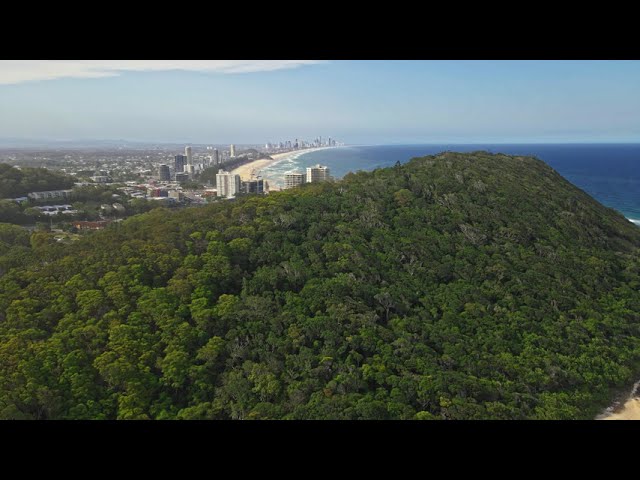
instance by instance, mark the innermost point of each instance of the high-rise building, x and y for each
(164, 173)
(252, 186)
(227, 184)
(189, 155)
(182, 177)
(319, 173)
(232, 150)
(216, 157)
(180, 161)
(294, 179)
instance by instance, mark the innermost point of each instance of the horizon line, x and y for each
(7, 142)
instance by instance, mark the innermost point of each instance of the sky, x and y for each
(356, 102)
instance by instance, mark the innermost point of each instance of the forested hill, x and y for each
(16, 182)
(457, 286)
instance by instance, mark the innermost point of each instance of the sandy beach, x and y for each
(258, 165)
(630, 411)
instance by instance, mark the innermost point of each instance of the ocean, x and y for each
(608, 172)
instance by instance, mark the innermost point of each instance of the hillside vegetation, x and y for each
(456, 286)
(16, 182)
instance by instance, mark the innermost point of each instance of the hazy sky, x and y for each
(371, 102)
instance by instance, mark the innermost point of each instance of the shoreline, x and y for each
(630, 410)
(245, 170)
(625, 408)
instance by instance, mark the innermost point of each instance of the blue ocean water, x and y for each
(608, 172)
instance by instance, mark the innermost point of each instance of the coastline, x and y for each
(245, 170)
(629, 411)
(628, 408)
(556, 158)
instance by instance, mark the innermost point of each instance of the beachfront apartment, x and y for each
(227, 184)
(252, 186)
(319, 173)
(294, 179)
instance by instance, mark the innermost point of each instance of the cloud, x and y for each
(19, 71)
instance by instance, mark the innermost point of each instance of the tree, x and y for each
(456, 286)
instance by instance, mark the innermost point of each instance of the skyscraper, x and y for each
(216, 156)
(232, 150)
(187, 152)
(164, 173)
(293, 179)
(319, 173)
(227, 184)
(180, 162)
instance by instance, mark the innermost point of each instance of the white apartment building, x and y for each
(294, 179)
(319, 173)
(227, 184)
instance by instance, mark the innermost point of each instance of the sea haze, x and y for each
(608, 172)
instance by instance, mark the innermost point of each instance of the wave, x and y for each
(290, 159)
(637, 222)
(291, 162)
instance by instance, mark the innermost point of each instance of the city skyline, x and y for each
(360, 102)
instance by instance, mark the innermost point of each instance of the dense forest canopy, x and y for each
(456, 286)
(16, 182)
